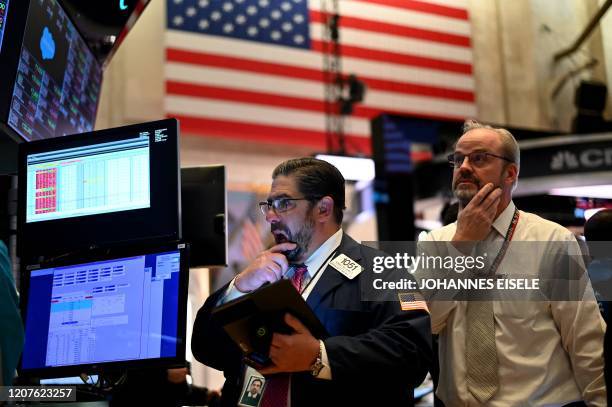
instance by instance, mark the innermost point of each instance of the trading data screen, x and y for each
(3, 12)
(108, 311)
(88, 180)
(58, 79)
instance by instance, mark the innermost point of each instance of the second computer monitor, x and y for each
(116, 310)
(103, 188)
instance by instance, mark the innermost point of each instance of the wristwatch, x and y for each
(317, 365)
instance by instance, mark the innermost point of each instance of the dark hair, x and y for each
(599, 226)
(315, 179)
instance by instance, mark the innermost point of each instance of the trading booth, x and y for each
(101, 237)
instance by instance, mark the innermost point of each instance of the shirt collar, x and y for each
(502, 223)
(316, 259)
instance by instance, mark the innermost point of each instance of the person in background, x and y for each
(510, 353)
(599, 229)
(11, 326)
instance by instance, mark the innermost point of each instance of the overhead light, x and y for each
(592, 191)
(351, 168)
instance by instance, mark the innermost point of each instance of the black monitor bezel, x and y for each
(137, 225)
(16, 18)
(108, 367)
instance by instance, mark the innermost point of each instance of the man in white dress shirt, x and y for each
(544, 353)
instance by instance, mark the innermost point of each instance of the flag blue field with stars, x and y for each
(282, 22)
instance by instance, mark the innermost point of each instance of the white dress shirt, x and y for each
(550, 352)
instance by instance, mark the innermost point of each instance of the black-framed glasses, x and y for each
(476, 158)
(280, 205)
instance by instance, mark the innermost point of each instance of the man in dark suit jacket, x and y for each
(376, 352)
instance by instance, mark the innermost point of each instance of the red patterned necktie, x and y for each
(299, 277)
(276, 393)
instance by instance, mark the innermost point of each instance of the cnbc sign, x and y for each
(592, 158)
(572, 158)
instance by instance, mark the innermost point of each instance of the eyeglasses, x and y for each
(477, 158)
(280, 205)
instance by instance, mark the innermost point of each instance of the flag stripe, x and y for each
(389, 42)
(270, 134)
(236, 64)
(210, 46)
(394, 29)
(423, 7)
(397, 58)
(262, 98)
(259, 114)
(402, 17)
(380, 100)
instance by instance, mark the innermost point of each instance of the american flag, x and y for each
(253, 69)
(412, 301)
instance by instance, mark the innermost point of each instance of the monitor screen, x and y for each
(107, 187)
(58, 79)
(204, 214)
(106, 312)
(3, 13)
(88, 180)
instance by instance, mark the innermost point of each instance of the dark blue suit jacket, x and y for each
(377, 352)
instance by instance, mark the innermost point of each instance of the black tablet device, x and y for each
(252, 319)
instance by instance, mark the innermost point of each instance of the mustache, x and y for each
(467, 177)
(277, 227)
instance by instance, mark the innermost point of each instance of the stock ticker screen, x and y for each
(104, 311)
(3, 12)
(88, 180)
(58, 79)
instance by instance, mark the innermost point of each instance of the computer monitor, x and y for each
(204, 214)
(51, 79)
(117, 310)
(107, 187)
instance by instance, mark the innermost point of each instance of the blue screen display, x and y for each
(3, 13)
(108, 311)
(58, 78)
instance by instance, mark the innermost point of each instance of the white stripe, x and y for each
(307, 59)
(273, 85)
(244, 80)
(461, 4)
(394, 43)
(250, 113)
(394, 15)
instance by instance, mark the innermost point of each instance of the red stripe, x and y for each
(415, 5)
(347, 50)
(268, 99)
(206, 59)
(397, 58)
(394, 29)
(247, 65)
(263, 133)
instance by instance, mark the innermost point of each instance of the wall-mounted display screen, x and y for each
(58, 79)
(3, 13)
